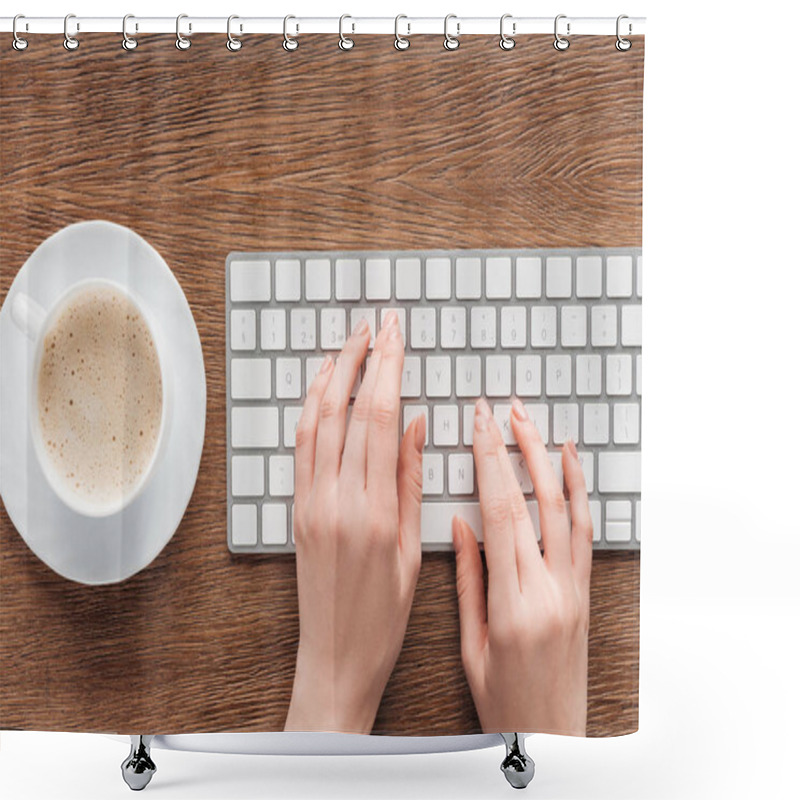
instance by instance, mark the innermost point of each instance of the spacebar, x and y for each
(437, 521)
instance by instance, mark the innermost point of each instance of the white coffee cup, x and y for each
(35, 322)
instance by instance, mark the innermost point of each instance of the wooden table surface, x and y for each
(204, 152)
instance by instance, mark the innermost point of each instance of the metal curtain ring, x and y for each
(622, 44)
(290, 43)
(128, 42)
(233, 44)
(560, 42)
(18, 43)
(70, 42)
(451, 42)
(345, 42)
(400, 42)
(507, 42)
(181, 42)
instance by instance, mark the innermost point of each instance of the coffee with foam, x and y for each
(100, 396)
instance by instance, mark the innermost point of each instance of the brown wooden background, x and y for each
(203, 152)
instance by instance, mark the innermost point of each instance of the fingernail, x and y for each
(482, 415)
(571, 447)
(326, 364)
(519, 409)
(457, 535)
(390, 319)
(361, 328)
(419, 432)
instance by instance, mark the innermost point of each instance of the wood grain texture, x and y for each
(204, 152)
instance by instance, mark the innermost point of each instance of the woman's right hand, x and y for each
(525, 646)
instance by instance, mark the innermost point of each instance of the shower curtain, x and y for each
(158, 164)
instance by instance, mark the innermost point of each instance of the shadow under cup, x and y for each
(41, 327)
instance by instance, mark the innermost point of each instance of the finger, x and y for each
(581, 519)
(409, 485)
(496, 501)
(552, 506)
(333, 409)
(471, 595)
(384, 416)
(306, 436)
(354, 457)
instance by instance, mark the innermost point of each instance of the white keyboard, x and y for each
(560, 329)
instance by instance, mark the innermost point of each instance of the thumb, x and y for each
(471, 596)
(409, 485)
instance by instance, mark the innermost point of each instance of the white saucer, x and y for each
(106, 549)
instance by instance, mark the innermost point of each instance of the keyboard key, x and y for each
(318, 279)
(498, 376)
(287, 280)
(243, 330)
(244, 525)
(559, 376)
(348, 279)
(287, 378)
(467, 424)
(423, 328)
(247, 476)
(512, 327)
(626, 423)
(254, 426)
(502, 416)
(543, 326)
(291, 416)
(468, 279)
(589, 274)
(604, 326)
(618, 521)
(313, 366)
(281, 476)
(468, 376)
(273, 329)
(529, 278)
(619, 472)
(461, 474)
(588, 375)
(401, 320)
(639, 374)
(558, 281)
(618, 374)
(619, 276)
(378, 274)
(408, 279)
(332, 328)
(523, 476)
(437, 278)
(432, 474)
(250, 379)
(410, 413)
(411, 382)
(436, 522)
(595, 423)
(586, 460)
(573, 326)
(359, 313)
(529, 376)
(250, 281)
(274, 524)
(638, 276)
(631, 335)
(565, 423)
(638, 521)
(437, 376)
(540, 416)
(483, 327)
(453, 330)
(445, 426)
(304, 329)
(498, 278)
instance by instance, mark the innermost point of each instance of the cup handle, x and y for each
(27, 315)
